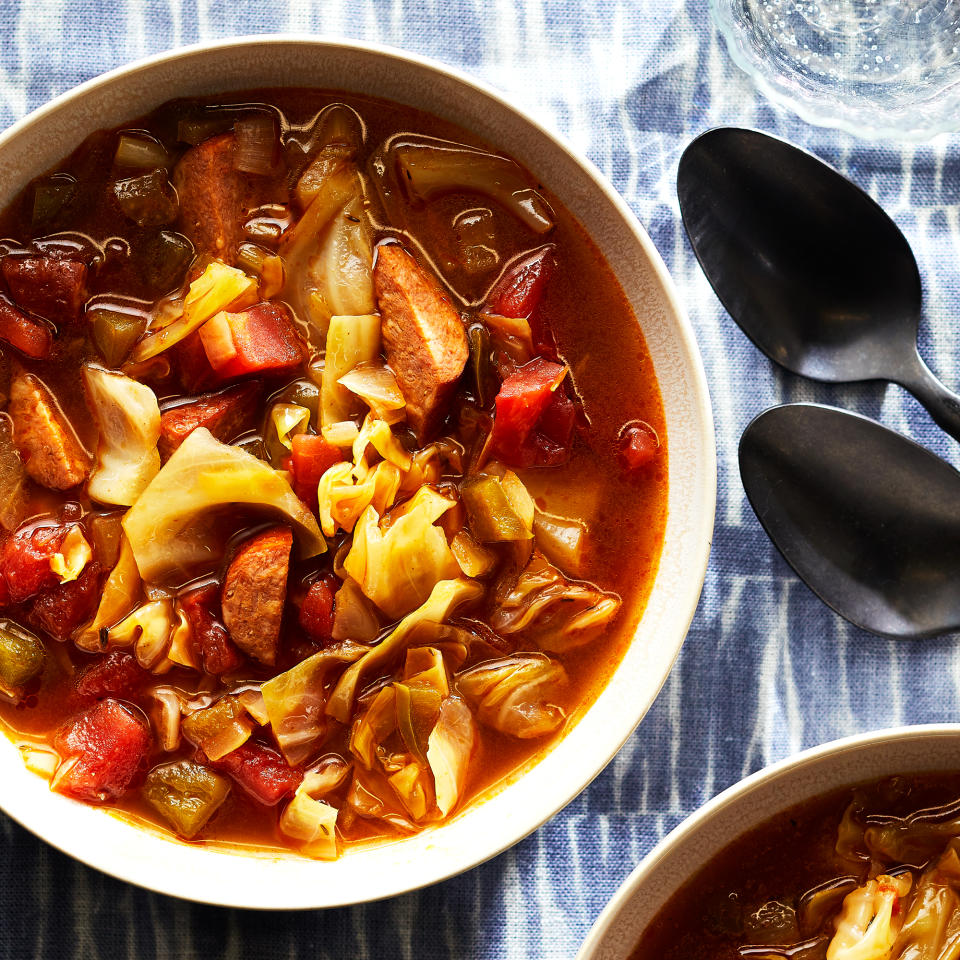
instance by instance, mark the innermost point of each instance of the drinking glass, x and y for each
(877, 68)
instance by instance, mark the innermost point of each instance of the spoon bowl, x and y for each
(868, 519)
(809, 266)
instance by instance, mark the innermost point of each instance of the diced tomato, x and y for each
(25, 560)
(262, 772)
(518, 294)
(520, 288)
(224, 414)
(217, 652)
(522, 400)
(116, 675)
(310, 459)
(47, 286)
(316, 611)
(102, 750)
(638, 447)
(261, 340)
(30, 335)
(554, 432)
(192, 364)
(61, 609)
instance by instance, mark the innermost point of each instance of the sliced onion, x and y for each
(166, 714)
(258, 144)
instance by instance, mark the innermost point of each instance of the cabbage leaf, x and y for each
(399, 565)
(351, 340)
(555, 613)
(167, 526)
(450, 747)
(354, 616)
(513, 694)
(376, 385)
(328, 255)
(446, 596)
(121, 593)
(295, 701)
(128, 417)
(313, 824)
(870, 920)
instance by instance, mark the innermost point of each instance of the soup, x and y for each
(871, 873)
(332, 471)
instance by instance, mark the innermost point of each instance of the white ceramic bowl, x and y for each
(747, 804)
(42, 139)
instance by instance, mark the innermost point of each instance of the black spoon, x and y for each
(867, 518)
(813, 271)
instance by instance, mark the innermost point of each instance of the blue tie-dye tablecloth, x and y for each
(766, 670)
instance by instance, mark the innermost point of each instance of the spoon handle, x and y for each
(942, 404)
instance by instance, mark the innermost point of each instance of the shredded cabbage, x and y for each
(219, 287)
(121, 593)
(555, 613)
(354, 616)
(295, 701)
(289, 419)
(183, 651)
(377, 434)
(74, 554)
(450, 746)
(446, 597)
(420, 743)
(313, 824)
(328, 256)
(167, 526)
(128, 416)
(868, 926)
(351, 340)
(376, 385)
(148, 629)
(513, 694)
(399, 565)
(342, 499)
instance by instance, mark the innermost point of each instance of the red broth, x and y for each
(205, 185)
(778, 890)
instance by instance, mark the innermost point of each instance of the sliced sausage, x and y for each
(423, 336)
(225, 414)
(51, 452)
(51, 288)
(254, 591)
(215, 198)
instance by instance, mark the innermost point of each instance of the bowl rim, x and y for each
(736, 794)
(127, 868)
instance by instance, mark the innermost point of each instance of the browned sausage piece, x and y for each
(254, 591)
(225, 414)
(51, 288)
(51, 452)
(423, 336)
(215, 198)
